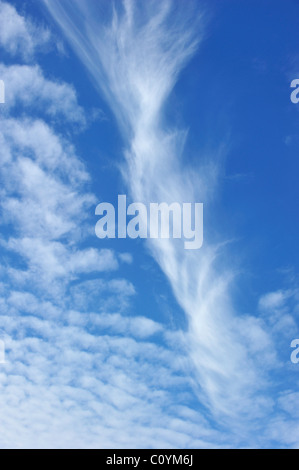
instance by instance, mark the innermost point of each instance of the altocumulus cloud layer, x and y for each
(80, 371)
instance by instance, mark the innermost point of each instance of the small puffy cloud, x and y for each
(92, 260)
(289, 403)
(40, 204)
(100, 295)
(55, 259)
(18, 36)
(35, 138)
(273, 300)
(126, 258)
(145, 327)
(138, 326)
(28, 87)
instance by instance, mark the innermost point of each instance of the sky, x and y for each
(134, 343)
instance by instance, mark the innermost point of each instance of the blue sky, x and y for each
(141, 343)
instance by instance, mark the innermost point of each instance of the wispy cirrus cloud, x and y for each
(135, 59)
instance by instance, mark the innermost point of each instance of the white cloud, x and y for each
(280, 311)
(273, 300)
(18, 35)
(126, 258)
(139, 327)
(34, 137)
(39, 203)
(56, 259)
(102, 296)
(29, 87)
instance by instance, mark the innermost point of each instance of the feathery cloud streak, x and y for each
(134, 55)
